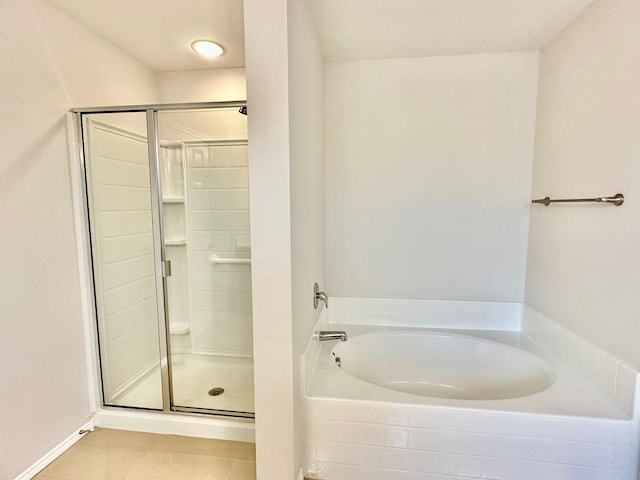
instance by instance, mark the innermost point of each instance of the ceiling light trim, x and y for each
(207, 48)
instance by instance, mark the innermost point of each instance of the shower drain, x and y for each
(214, 392)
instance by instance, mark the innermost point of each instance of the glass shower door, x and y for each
(205, 224)
(168, 200)
(119, 198)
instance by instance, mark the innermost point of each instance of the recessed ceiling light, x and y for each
(207, 48)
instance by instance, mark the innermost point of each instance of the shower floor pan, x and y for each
(194, 376)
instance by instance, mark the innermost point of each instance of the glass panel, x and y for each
(120, 214)
(204, 176)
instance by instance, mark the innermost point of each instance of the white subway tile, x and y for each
(222, 302)
(110, 198)
(118, 299)
(625, 378)
(443, 441)
(203, 301)
(337, 432)
(199, 199)
(382, 457)
(200, 262)
(397, 437)
(241, 302)
(199, 178)
(591, 363)
(202, 281)
(201, 220)
(625, 434)
(232, 177)
(200, 240)
(197, 159)
(577, 347)
(229, 220)
(129, 318)
(243, 322)
(350, 412)
(117, 249)
(124, 223)
(372, 434)
(236, 199)
(127, 271)
(222, 241)
(625, 399)
(222, 282)
(607, 375)
(108, 171)
(241, 282)
(340, 453)
(397, 416)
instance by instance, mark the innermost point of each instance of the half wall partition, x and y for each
(168, 218)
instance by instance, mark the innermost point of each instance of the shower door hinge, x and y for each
(166, 268)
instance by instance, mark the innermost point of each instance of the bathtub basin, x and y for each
(444, 365)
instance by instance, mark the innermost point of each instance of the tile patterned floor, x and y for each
(106, 454)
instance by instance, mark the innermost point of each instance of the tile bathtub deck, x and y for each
(106, 454)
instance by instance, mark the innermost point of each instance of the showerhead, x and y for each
(243, 110)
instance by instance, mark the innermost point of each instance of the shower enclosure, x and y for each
(168, 218)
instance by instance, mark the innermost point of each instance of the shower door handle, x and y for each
(166, 268)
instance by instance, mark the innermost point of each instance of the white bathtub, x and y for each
(509, 411)
(445, 365)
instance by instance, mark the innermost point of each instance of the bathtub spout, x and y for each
(324, 335)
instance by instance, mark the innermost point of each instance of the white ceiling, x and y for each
(368, 29)
(159, 32)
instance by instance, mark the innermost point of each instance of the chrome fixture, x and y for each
(325, 335)
(318, 295)
(617, 200)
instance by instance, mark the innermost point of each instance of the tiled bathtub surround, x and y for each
(359, 431)
(372, 441)
(611, 377)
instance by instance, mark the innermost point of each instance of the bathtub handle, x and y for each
(319, 296)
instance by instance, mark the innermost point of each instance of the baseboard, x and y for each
(54, 453)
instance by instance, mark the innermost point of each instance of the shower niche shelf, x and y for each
(175, 241)
(172, 199)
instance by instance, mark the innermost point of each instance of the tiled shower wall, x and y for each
(125, 264)
(218, 224)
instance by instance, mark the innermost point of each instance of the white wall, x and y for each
(584, 262)
(268, 122)
(203, 86)
(49, 64)
(307, 189)
(427, 175)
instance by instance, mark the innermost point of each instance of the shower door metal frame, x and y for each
(160, 261)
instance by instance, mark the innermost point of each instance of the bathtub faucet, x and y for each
(324, 335)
